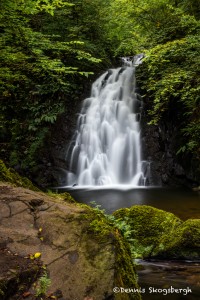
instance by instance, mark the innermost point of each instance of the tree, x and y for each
(39, 68)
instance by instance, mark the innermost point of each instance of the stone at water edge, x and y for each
(79, 262)
(157, 233)
(185, 242)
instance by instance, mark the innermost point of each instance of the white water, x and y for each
(106, 149)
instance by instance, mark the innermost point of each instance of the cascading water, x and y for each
(106, 148)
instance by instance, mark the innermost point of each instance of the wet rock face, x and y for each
(158, 150)
(79, 264)
(160, 144)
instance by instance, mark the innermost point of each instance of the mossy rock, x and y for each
(185, 242)
(78, 242)
(10, 175)
(156, 233)
(102, 230)
(148, 226)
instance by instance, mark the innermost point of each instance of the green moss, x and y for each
(148, 226)
(98, 224)
(185, 242)
(62, 196)
(155, 232)
(10, 175)
(101, 242)
(125, 274)
(104, 229)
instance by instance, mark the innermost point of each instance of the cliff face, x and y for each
(160, 146)
(171, 146)
(81, 262)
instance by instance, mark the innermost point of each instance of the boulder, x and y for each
(184, 243)
(157, 233)
(84, 256)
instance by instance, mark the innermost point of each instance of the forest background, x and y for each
(50, 49)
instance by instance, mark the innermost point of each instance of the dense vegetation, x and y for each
(167, 32)
(48, 48)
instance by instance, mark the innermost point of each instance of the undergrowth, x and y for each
(120, 225)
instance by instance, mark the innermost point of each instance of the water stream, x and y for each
(173, 280)
(106, 148)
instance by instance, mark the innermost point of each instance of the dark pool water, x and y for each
(184, 203)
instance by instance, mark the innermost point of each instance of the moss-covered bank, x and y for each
(11, 176)
(156, 233)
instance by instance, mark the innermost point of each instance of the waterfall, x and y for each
(106, 148)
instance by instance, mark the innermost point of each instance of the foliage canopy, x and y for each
(48, 48)
(42, 61)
